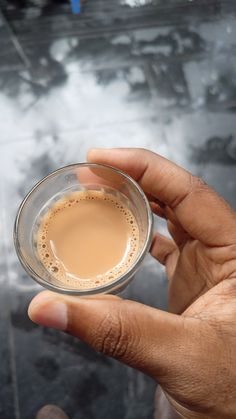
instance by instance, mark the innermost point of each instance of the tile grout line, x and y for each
(15, 42)
(10, 330)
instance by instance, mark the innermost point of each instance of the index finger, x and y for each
(199, 209)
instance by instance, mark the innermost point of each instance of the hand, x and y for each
(192, 353)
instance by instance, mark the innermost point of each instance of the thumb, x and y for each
(150, 340)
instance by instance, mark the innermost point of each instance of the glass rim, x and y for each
(96, 290)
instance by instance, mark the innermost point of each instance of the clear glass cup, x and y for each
(79, 177)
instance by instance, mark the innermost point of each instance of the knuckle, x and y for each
(111, 338)
(195, 185)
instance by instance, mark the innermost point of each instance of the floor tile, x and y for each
(204, 142)
(8, 388)
(96, 98)
(12, 56)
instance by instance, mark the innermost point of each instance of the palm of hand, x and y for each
(195, 268)
(202, 286)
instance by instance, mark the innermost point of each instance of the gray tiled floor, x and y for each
(157, 76)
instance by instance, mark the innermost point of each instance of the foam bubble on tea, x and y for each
(88, 239)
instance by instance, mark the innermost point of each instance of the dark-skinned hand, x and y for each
(190, 351)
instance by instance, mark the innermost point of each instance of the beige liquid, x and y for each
(88, 239)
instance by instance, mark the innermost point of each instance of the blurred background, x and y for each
(159, 74)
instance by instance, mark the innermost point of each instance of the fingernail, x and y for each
(49, 313)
